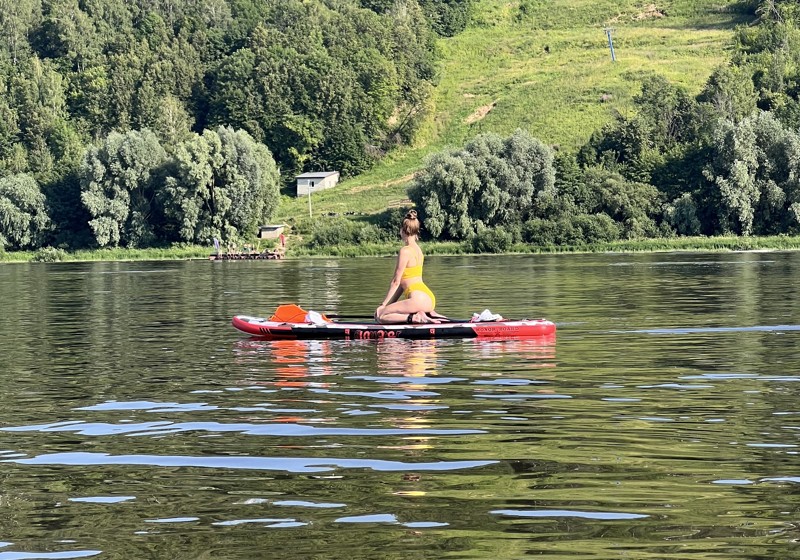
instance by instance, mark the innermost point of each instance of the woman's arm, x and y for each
(394, 286)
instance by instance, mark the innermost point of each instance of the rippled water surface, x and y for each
(663, 420)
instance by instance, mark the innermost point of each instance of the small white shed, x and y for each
(316, 181)
(270, 231)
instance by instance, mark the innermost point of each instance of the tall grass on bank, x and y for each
(670, 244)
(48, 254)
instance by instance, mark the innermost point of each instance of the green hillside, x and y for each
(544, 66)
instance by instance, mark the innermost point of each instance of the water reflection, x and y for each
(412, 364)
(142, 425)
(539, 351)
(407, 358)
(287, 464)
(296, 363)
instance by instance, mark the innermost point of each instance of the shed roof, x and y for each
(316, 175)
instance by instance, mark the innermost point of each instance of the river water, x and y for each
(663, 420)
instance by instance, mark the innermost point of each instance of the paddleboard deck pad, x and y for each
(280, 330)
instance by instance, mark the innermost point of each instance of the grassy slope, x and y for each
(501, 59)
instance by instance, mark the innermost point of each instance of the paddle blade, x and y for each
(289, 313)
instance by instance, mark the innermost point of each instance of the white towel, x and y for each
(315, 318)
(486, 315)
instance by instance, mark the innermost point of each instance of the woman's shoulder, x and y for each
(411, 250)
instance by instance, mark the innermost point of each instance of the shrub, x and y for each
(390, 220)
(552, 232)
(568, 232)
(331, 232)
(49, 255)
(597, 228)
(368, 233)
(341, 231)
(572, 230)
(492, 240)
(539, 232)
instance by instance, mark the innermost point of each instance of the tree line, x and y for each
(136, 123)
(133, 193)
(320, 84)
(725, 161)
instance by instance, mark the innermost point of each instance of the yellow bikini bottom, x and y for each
(420, 287)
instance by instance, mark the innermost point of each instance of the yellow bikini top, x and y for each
(414, 271)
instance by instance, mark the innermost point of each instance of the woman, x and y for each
(407, 281)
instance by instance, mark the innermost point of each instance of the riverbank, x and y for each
(50, 254)
(672, 244)
(198, 252)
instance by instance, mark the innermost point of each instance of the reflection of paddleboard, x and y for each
(271, 329)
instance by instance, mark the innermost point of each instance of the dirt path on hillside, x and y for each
(393, 182)
(480, 113)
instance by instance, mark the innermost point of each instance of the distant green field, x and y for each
(498, 76)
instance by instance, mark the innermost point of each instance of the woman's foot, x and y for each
(423, 318)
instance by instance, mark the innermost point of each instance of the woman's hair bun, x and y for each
(411, 215)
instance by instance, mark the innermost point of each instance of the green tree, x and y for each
(621, 146)
(117, 187)
(125, 71)
(730, 91)
(172, 123)
(66, 34)
(70, 218)
(681, 214)
(493, 181)
(443, 193)
(635, 206)
(38, 95)
(17, 17)
(668, 111)
(46, 142)
(754, 172)
(770, 53)
(88, 99)
(335, 84)
(23, 216)
(447, 17)
(9, 129)
(223, 185)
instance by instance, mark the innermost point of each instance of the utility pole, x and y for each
(310, 187)
(609, 31)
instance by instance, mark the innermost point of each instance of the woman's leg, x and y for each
(417, 305)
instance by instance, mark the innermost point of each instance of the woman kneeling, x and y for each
(419, 303)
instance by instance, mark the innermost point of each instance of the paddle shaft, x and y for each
(293, 313)
(349, 316)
